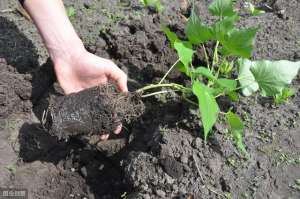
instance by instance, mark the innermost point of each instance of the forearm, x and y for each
(55, 28)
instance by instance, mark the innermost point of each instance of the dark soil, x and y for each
(95, 111)
(162, 154)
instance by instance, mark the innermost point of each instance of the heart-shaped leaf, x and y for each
(204, 72)
(273, 76)
(239, 42)
(246, 78)
(228, 84)
(220, 29)
(208, 106)
(185, 52)
(172, 37)
(196, 31)
(221, 8)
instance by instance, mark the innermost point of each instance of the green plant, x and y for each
(253, 10)
(71, 12)
(284, 96)
(153, 3)
(232, 50)
(296, 185)
(12, 168)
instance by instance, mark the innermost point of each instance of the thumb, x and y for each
(117, 75)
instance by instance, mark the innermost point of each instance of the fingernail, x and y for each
(104, 137)
(118, 129)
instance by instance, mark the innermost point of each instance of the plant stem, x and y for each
(151, 86)
(206, 57)
(164, 77)
(157, 93)
(215, 58)
(245, 77)
(219, 95)
(190, 101)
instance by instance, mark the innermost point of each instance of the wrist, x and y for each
(66, 51)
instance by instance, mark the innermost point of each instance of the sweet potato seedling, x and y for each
(228, 71)
(152, 4)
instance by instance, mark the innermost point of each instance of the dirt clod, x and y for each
(98, 110)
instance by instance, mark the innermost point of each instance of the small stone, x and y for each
(214, 165)
(72, 195)
(161, 193)
(172, 167)
(185, 142)
(169, 179)
(73, 169)
(184, 159)
(175, 187)
(197, 143)
(147, 196)
(83, 171)
(101, 167)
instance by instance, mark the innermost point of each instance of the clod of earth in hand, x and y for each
(91, 112)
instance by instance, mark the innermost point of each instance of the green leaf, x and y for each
(153, 3)
(196, 31)
(234, 96)
(234, 121)
(204, 72)
(246, 78)
(185, 53)
(273, 76)
(220, 29)
(257, 11)
(228, 84)
(172, 37)
(239, 42)
(284, 96)
(180, 66)
(71, 12)
(237, 130)
(253, 10)
(221, 8)
(208, 106)
(216, 91)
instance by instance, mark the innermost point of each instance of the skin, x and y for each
(76, 69)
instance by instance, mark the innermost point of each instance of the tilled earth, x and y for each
(162, 155)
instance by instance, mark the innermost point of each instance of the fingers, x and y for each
(104, 137)
(119, 77)
(118, 129)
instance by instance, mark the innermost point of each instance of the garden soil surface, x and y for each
(162, 154)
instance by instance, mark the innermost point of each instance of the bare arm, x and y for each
(75, 68)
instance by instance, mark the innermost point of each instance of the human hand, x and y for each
(83, 70)
(76, 69)
(86, 70)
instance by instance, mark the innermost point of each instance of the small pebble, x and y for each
(101, 167)
(197, 143)
(83, 171)
(184, 159)
(161, 193)
(73, 169)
